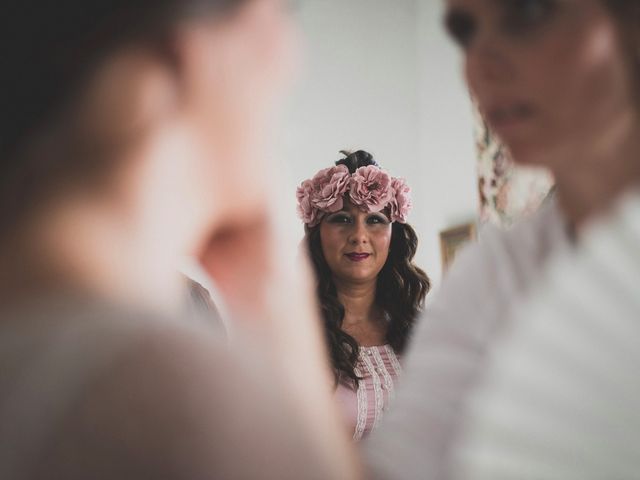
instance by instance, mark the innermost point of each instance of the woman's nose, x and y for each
(358, 233)
(487, 62)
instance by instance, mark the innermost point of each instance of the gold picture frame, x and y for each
(453, 239)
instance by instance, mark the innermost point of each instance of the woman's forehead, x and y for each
(351, 208)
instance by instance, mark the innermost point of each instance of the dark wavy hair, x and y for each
(400, 291)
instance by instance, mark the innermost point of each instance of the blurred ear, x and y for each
(135, 90)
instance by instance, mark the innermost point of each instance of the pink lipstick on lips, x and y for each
(357, 257)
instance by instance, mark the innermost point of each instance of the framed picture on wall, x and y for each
(453, 239)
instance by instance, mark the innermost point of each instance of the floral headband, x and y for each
(370, 187)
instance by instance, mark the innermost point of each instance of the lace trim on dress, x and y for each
(361, 396)
(395, 363)
(377, 386)
(388, 381)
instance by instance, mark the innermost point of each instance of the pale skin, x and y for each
(553, 81)
(356, 245)
(201, 127)
(197, 133)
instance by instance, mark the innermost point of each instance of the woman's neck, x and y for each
(596, 179)
(363, 319)
(358, 301)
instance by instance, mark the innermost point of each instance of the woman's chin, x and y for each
(357, 275)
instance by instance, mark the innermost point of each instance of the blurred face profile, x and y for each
(355, 244)
(550, 76)
(199, 167)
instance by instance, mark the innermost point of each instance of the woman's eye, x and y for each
(524, 14)
(461, 27)
(375, 219)
(339, 219)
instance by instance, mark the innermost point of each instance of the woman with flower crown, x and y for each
(369, 289)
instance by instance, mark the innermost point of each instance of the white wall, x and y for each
(446, 187)
(381, 75)
(360, 84)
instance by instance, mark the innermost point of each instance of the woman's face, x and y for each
(355, 244)
(549, 76)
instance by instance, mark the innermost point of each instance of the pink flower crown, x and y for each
(370, 187)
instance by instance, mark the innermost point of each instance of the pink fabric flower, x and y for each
(400, 203)
(330, 185)
(370, 188)
(322, 194)
(307, 213)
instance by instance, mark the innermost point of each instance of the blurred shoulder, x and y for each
(505, 261)
(139, 396)
(574, 345)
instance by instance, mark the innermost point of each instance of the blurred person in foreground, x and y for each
(131, 136)
(558, 81)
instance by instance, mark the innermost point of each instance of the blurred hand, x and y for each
(269, 293)
(239, 257)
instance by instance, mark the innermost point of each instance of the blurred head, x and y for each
(355, 245)
(154, 109)
(553, 78)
